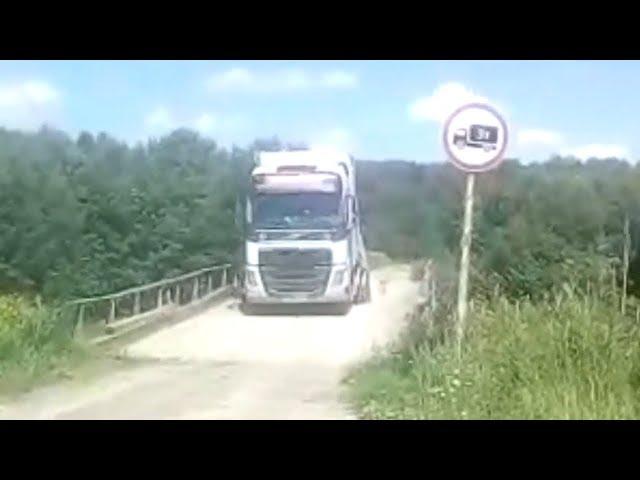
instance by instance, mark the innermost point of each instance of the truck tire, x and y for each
(363, 294)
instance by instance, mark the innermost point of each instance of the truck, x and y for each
(303, 241)
(479, 136)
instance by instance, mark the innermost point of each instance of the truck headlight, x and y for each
(338, 277)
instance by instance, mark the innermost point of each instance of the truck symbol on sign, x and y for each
(478, 136)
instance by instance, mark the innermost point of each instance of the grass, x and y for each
(571, 357)
(35, 345)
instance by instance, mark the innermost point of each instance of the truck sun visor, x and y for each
(315, 182)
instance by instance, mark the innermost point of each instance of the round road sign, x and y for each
(475, 137)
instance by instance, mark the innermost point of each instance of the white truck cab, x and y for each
(303, 239)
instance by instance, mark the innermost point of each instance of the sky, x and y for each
(373, 109)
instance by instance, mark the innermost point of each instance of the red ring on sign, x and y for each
(495, 161)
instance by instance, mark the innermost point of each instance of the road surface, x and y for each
(222, 364)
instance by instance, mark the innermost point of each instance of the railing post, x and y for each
(223, 282)
(194, 292)
(167, 296)
(159, 301)
(177, 299)
(112, 311)
(136, 303)
(79, 330)
(209, 282)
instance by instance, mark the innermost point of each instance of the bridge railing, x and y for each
(120, 307)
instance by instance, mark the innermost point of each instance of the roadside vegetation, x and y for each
(91, 215)
(35, 344)
(573, 356)
(552, 333)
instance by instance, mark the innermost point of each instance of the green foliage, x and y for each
(572, 356)
(34, 342)
(532, 224)
(93, 216)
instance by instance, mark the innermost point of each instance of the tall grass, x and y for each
(35, 342)
(573, 356)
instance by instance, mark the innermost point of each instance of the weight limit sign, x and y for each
(475, 138)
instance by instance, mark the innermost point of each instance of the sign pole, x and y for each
(475, 138)
(465, 247)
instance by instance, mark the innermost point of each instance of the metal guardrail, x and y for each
(137, 301)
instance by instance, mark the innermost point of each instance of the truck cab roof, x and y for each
(317, 158)
(338, 162)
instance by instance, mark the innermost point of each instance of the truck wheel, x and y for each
(364, 288)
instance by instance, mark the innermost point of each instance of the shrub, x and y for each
(571, 357)
(34, 340)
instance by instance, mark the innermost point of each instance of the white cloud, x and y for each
(339, 79)
(444, 100)
(205, 123)
(32, 93)
(224, 129)
(29, 104)
(598, 150)
(288, 80)
(234, 78)
(336, 138)
(539, 144)
(529, 137)
(159, 119)
(244, 80)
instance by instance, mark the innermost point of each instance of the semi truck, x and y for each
(303, 241)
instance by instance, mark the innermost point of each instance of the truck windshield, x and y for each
(301, 210)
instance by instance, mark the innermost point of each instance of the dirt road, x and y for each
(224, 365)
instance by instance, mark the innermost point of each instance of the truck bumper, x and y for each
(337, 291)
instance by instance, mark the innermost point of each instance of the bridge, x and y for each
(181, 349)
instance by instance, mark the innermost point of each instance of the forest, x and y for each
(92, 215)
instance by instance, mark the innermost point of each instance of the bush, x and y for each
(572, 357)
(34, 341)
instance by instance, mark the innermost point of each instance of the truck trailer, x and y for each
(303, 241)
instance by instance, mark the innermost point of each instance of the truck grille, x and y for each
(289, 271)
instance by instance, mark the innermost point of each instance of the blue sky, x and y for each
(375, 109)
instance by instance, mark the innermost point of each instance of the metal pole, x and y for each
(194, 292)
(465, 247)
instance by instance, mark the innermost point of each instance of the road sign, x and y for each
(475, 138)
